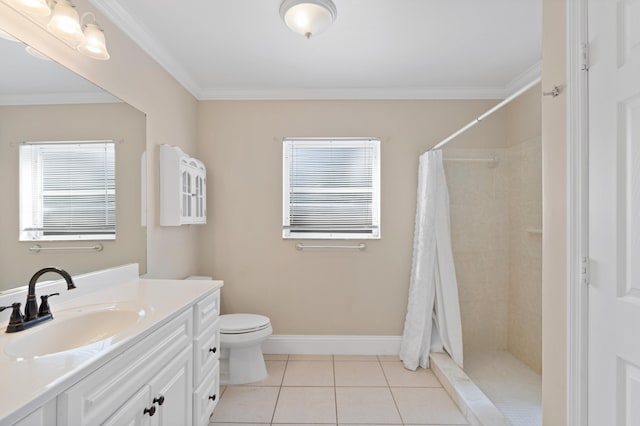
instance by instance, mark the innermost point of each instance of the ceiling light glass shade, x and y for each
(308, 17)
(93, 44)
(65, 22)
(34, 7)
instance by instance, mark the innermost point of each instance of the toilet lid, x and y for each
(242, 323)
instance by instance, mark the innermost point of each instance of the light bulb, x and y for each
(93, 44)
(34, 7)
(65, 22)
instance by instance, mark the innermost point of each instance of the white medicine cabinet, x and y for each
(183, 188)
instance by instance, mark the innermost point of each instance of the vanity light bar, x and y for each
(63, 22)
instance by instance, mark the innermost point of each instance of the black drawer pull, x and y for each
(160, 400)
(212, 397)
(151, 411)
(213, 350)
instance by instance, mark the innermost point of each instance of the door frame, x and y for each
(577, 213)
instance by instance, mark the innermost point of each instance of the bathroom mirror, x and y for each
(40, 100)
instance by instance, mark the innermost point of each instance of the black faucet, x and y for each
(31, 307)
(33, 316)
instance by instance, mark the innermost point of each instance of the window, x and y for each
(67, 191)
(331, 188)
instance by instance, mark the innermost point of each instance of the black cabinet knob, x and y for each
(212, 397)
(159, 400)
(213, 350)
(151, 411)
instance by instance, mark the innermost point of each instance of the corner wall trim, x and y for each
(327, 345)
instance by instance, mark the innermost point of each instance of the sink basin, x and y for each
(85, 327)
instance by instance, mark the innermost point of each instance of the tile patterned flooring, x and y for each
(338, 390)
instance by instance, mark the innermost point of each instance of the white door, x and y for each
(614, 212)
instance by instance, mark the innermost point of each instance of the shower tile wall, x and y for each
(525, 248)
(479, 198)
(498, 262)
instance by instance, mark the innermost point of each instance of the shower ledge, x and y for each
(474, 404)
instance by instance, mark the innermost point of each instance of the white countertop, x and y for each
(30, 382)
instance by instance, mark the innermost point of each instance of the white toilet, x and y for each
(241, 336)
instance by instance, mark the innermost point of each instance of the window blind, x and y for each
(331, 188)
(68, 191)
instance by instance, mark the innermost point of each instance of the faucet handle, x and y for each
(44, 304)
(16, 315)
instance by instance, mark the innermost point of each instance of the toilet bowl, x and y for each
(241, 336)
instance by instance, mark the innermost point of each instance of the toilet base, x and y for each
(242, 365)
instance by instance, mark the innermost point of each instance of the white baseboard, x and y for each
(337, 345)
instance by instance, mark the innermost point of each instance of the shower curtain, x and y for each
(433, 312)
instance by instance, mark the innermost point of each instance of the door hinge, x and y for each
(584, 270)
(584, 57)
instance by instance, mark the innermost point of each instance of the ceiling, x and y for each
(376, 49)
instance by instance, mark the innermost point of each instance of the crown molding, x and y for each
(354, 94)
(524, 78)
(63, 98)
(123, 20)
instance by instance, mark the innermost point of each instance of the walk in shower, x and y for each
(496, 228)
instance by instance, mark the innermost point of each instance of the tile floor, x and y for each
(338, 390)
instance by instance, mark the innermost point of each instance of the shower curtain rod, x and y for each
(488, 113)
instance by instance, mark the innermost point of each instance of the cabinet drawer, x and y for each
(207, 351)
(206, 397)
(206, 312)
(93, 399)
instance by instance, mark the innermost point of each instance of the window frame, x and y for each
(374, 230)
(30, 204)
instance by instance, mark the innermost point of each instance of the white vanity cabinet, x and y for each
(183, 184)
(168, 378)
(133, 383)
(157, 364)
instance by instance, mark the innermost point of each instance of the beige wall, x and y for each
(554, 181)
(134, 77)
(312, 292)
(119, 122)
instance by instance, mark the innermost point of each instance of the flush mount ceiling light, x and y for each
(34, 7)
(308, 17)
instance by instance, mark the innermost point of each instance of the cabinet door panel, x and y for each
(172, 387)
(132, 412)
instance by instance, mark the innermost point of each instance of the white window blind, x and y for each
(67, 191)
(331, 188)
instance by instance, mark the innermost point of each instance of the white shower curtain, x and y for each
(433, 312)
